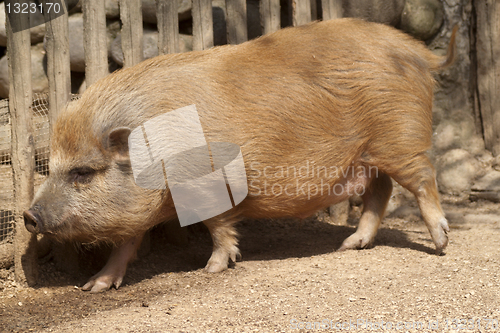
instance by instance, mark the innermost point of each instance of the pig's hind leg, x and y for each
(225, 243)
(375, 199)
(115, 268)
(418, 176)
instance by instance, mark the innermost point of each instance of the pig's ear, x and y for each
(117, 141)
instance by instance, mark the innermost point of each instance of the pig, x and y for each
(320, 112)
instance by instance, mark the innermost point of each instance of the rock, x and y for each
(340, 212)
(150, 45)
(37, 32)
(112, 9)
(445, 136)
(457, 133)
(76, 48)
(382, 11)
(496, 163)
(489, 182)
(6, 255)
(486, 159)
(405, 212)
(399, 197)
(114, 28)
(456, 170)
(149, 10)
(487, 187)
(39, 80)
(422, 18)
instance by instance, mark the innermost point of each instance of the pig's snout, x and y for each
(33, 221)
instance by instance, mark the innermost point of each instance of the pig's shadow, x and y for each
(260, 240)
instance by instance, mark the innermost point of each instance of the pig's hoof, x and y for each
(356, 241)
(220, 259)
(102, 283)
(215, 267)
(440, 236)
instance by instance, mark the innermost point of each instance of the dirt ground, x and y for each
(290, 279)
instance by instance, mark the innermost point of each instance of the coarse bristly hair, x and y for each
(337, 93)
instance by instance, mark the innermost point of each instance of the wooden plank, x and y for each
(168, 26)
(131, 16)
(300, 11)
(22, 150)
(270, 16)
(58, 65)
(94, 41)
(488, 70)
(332, 9)
(203, 30)
(237, 30)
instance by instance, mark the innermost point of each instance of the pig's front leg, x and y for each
(225, 243)
(113, 272)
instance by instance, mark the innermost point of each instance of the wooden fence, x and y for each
(96, 67)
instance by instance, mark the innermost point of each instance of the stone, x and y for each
(487, 187)
(149, 10)
(422, 18)
(150, 45)
(456, 170)
(76, 48)
(399, 197)
(382, 11)
(39, 80)
(112, 8)
(339, 213)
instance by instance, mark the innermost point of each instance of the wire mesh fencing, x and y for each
(41, 132)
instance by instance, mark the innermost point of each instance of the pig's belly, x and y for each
(296, 198)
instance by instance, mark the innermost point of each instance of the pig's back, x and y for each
(329, 91)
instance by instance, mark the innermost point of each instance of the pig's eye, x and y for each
(82, 175)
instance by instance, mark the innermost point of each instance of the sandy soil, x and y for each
(290, 280)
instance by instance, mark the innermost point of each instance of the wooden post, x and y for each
(58, 65)
(168, 26)
(488, 70)
(203, 29)
(23, 159)
(270, 16)
(237, 30)
(332, 9)
(59, 75)
(300, 11)
(94, 40)
(131, 16)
